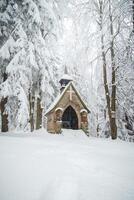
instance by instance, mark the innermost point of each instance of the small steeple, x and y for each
(65, 70)
(65, 79)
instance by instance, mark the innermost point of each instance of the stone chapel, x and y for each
(68, 110)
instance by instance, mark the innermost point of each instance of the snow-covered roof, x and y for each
(58, 98)
(66, 77)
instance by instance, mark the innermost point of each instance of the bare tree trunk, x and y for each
(31, 110)
(113, 94)
(106, 88)
(110, 100)
(133, 14)
(107, 94)
(39, 114)
(4, 116)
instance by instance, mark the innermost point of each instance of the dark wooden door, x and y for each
(69, 118)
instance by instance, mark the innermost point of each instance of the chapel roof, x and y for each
(58, 98)
(66, 77)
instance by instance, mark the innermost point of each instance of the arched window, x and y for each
(58, 113)
(83, 115)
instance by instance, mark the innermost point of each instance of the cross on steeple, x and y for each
(71, 92)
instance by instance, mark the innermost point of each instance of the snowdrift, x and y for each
(70, 166)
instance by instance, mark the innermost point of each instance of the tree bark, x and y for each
(133, 14)
(110, 100)
(113, 94)
(4, 116)
(106, 88)
(39, 114)
(31, 110)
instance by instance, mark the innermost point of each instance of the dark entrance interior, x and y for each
(69, 118)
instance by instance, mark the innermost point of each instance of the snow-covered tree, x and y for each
(28, 33)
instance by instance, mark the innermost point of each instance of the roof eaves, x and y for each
(51, 107)
(79, 95)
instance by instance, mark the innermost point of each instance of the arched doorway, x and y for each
(69, 118)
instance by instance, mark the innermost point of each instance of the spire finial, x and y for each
(65, 70)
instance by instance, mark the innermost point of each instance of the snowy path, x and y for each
(65, 167)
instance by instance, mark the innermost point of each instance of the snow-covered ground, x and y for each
(70, 166)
